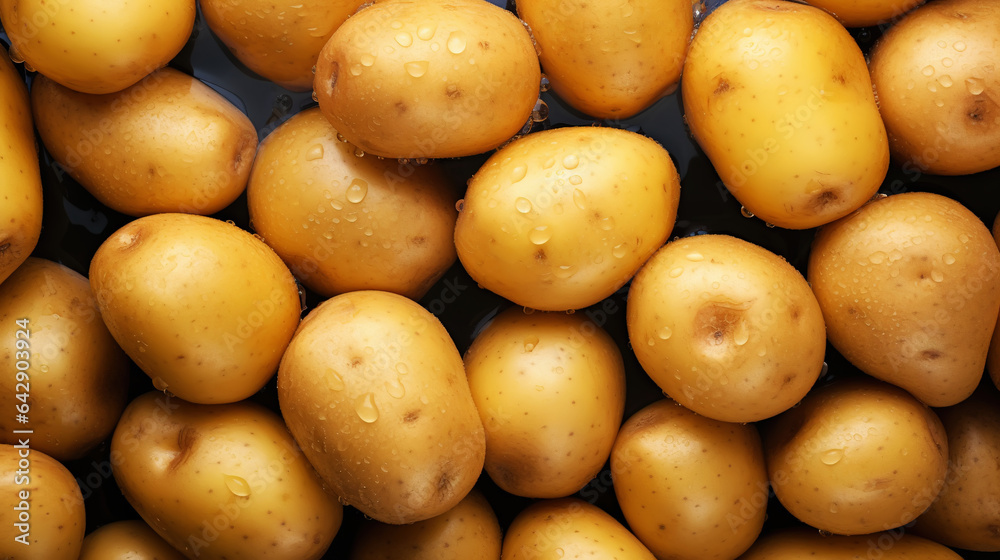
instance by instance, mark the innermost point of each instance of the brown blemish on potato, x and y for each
(334, 70)
(128, 240)
(4, 247)
(411, 416)
(878, 483)
(186, 439)
(401, 107)
(540, 255)
(722, 87)
(484, 45)
(840, 79)
(716, 321)
(452, 91)
(930, 355)
(823, 199)
(445, 483)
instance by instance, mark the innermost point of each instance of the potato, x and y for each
(127, 540)
(993, 355)
(221, 481)
(910, 290)
(76, 377)
(550, 389)
(796, 543)
(610, 61)
(726, 328)
(42, 505)
(91, 48)
(857, 456)
(864, 13)
(779, 97)
(203, 307)
(345, 223)
(468, 530)
(20, 180)
(279, 41)
(966, 512)
(561, 219)
(166, 144)
(935, 78)
(690, 487)
(569, 528)
(373, 389)
(405, 79)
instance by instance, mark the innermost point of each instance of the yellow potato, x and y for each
(561, 219)
(467, 531)
(345, 223)
(856, 457)
(993, 355)
(203, 307)
(75, 377)
(910, 290)
(690, 487)
(569, 528)
(864, 13)
(798, 543)
(127, 540)
(550, 389)
(726, 328)
(222, 481)
(279, 41)
(373, 389)
(166, 144)
(20, 180)
(778, 95)
(90, 47)
(43, 515)
(610, 60)
(405, 79)
(935, 77)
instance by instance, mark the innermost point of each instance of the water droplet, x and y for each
(947, 62)
(975, 86)
(695, 257)
(357, 191)
(314, 153)
(530, 343)
(945, 81)
(426, 31)
(664, 333)
(518, 173)
(620, 250)
(416, 68)
(564, 271)
(15, 55)
(606, 223)
(460, 205)
(571, 161)
(833, 508)
(742, 333)
(365, 407)
(456, 42)
(745, 212)
(544, 85)
(522, 205)
(747, 32)
(315, 96)
(676, 271)
(579, 198)
(237, 485)
(367, 59)
(395, 389)
(540, 112)
(356, 69)
(159, 384)
(341, 138)
(358, 152)
(928, 71)
(959, 46)
(948, 258)
(539, 235)
(832, 456)
(404, 39)
(334, 381)
(937, 276)
(878, 257)
(402, 368)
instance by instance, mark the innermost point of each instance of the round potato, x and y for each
(222, 481)
(726, 328)
(75, 378)
(406, 79)
(373, 389)
(127, 540)
(864, 13)
(203, 307)
(89, 47)
(561, 219)
(856, 457)
(610, 60)
(798, 543)
(690, 487)
(910, 290)
(166, 144)
(550, 389)
(935, 77)
(344, 223)
(778, 96)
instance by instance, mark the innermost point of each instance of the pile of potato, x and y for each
(453, 307)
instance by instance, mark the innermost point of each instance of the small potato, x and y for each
(465, 532)
(857, 456)
(404, 79)
(864, 13)
(167, 144)
(43, 513)
(798, 543)
(561, 219)
(202, 306)
(569, 528)
(89, 47)
(726, 328)
(127, 540)
(691, 488)
(220, 482)
(76, 377)
(374, 390)
(550, 389)
(910, 290)
(344, 223)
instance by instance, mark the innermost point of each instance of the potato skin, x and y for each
(166, 144)
(607, 60)
(993, 355)
(938, 63)
(726, 328)
(345, 223)
(93, 49)
(127, 540)
(550, 389)
(690, 487)
(561, 219)
(374, 390)
(20, 180)
(778, 96)
(797, 543)
(910, 290)
(78, 376)
(203, 307)
(863, 13)
(404, 79)
(222, 481)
